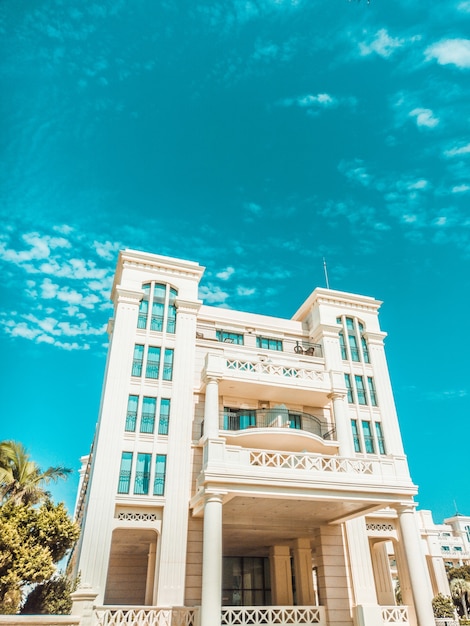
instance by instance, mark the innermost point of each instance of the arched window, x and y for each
(352, 340)
(160, 301)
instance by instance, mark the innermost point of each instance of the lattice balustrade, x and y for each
(274, 370)
(137, 516)
(385, 528)
(273, 616)
(309, 462)
(145, 617)
(396, 615)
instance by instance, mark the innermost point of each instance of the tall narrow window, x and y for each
(361, 392)
(356, 438)
(368, 437)
(160, 473)
(171, 321)
(125, 472)
(131, 416)
(153, 362)
(344, 354)
(372, 394)
(147, 421)
(347, 381)
(164, 416)
(380, 437)
(353, 347)
(137, 360)
(168, 364)
(144, 307)
(142, 474)
(158, 307)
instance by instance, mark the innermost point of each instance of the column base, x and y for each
(367, 615)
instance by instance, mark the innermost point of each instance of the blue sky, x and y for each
(255, 137)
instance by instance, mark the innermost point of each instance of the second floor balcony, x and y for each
(277, 428)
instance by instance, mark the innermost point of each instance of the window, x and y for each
(160, 472)
(361, 392)
(445, 548)
(268, 344)
(142, 474)
(380, 438)
(160, 299)
(347, 380)
(168, 364)
(458, 548)
(131, 416)
(368, 437)
(125, 472)
(239, 419)
(137, 360)
(164, 416)
(372, 394)
(295, 421)
(246, 581)
(221, 335)
(144, 307)
(147, 421)
(467, 530)
(356, 438)
(344, 354)
(355, 348)
(153, 362)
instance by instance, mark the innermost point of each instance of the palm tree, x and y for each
(21, 479)
(459, 587)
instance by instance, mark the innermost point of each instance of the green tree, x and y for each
(443, 606)
(459, 587)
(32, 540)
(459, 572)
(51, 597)
(21, 480)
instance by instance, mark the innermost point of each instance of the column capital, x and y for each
(127, 296)
(337, 395)
(214, 497)
(406, 508)
(190, 307)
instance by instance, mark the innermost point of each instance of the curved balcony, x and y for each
(277, 428)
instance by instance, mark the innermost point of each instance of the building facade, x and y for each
(247, 465)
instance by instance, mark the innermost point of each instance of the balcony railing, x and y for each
(275, 418)
(274, 615)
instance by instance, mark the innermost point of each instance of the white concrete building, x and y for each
(247, 469)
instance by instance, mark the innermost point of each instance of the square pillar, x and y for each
(302, 553)
(281, 575)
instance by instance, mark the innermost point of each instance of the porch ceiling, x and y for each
(275, 391)
(252, 525)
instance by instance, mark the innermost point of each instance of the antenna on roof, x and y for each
(326, 273)
(456, 509)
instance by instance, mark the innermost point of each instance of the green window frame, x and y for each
(131, 414)
(268, 343)
(160, 475)
(226, 337)
(125, 472)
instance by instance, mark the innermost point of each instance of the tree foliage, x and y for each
(32, 540)
(459, 572)
(51, 597)
(459, 588)
(21, 480)
(443, 606)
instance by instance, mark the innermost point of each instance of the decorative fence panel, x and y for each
(396, 615)
(309, 462)
(146, 617)
(273, 616)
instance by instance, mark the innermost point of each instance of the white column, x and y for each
(211, 408)
(150, 573)
(419, 576)
(211, 597)
(342, 424)
(95, 541)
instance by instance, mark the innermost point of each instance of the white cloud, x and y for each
(461, 188)
(308, 101)
(424, 117)
(106, 250)
(464, 6)
(356, 171)
(450, 52)
(382, 44)
(225, 274)
(212, 294)
(419, 184)
(458, 151)
(245, 291)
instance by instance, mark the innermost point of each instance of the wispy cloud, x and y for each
(458, 151)
(226, 273)
(382, 43)
(213, 294)
(424, 117)
(450, 52)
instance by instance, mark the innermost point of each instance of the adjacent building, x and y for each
(248, 469)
